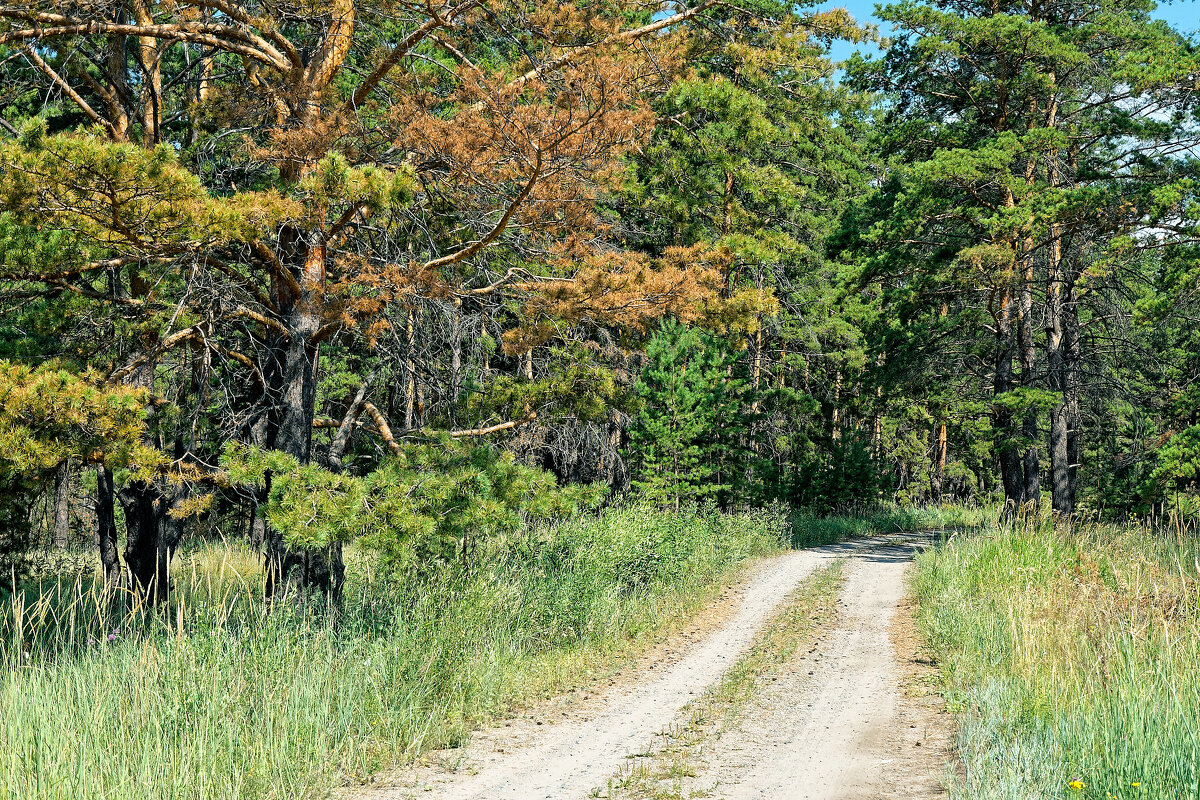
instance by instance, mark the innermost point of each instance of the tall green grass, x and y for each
(215, 698)
(1073, 659)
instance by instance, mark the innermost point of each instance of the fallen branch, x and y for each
(503, 426)
(385, 432)
(342, 438)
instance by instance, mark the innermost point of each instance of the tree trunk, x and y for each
(1060, 485)
(256, 527)
(151, 84)
(143, 504)
(60, 536)
(1011, 473)
(456, 337)
(1028, 358)
(152, 536)
(835, 415)
(1030, 462)
(939, 463)
(289, 570)
(1062, 355)
(106, 528)
(1072, 383)
(1061, 500)
(410, 372)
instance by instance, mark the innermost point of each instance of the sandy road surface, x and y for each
(836, 725)
(827, 729)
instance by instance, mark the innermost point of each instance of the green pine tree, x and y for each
(685, 442)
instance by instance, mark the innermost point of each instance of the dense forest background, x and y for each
(414, 274)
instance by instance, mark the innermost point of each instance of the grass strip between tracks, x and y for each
(669, 768)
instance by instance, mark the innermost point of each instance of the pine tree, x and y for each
(392, 156)
(684, 442)
(760, 152)
(1034, 149)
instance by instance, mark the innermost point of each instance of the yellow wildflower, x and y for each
(1076, 784)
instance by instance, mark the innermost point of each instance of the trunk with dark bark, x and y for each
(1011, 469)
(937, 474)
(1027, 354)
(1060, 485)
(1030, 463)
(290, 570)
(456, 371)
(1062, 356)
(151, 537)
(1074, 380)
(106, 528)
(256, 528)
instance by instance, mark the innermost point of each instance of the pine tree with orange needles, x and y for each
(255, 179)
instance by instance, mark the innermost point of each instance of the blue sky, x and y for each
(1183, 14)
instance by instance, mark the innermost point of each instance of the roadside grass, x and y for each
(1072, 659)
(663, 773)
(214, 698)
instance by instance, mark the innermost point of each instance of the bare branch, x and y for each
(181, 337)
(385, 432)
(69, 91)
(494, 233)
(403, 48)
(503, 426)
(508, 278)
(268, 256)
(342, 438)
(221, 37)
(238, 13)
(624, 37)
(262, 319)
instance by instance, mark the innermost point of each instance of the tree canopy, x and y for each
(414, 275)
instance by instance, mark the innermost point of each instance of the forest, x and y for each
(482, 339)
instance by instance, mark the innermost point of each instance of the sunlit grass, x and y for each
(214, 697)
(1073, 658)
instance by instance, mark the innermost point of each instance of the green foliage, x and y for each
(574, 383)
(759, 155)
(334, 183)
(117, 199)
(48, 415)
(1001, 227)
(1175, 479)
(684, 442)
(30, 248)
(429, 503)
(850, 475)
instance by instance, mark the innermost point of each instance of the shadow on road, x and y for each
(892, 548)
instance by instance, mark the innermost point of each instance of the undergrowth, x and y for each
(1072, 658)
(214, 698)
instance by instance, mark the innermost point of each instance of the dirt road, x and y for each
(830, 726)
(836, 725)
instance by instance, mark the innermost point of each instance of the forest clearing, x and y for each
(645, 400)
